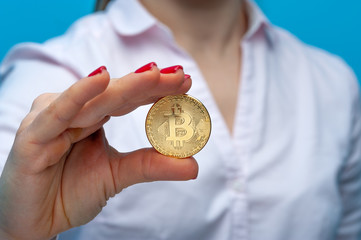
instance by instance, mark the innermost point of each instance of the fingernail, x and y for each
(186, 76)
(146, 67)
(171, 69)
(97, 71)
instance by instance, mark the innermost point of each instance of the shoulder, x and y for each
(71, 50)
(314, 67)
(318, 85)
(296, 49)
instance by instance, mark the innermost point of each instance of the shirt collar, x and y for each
(258, 22)
(130, 18)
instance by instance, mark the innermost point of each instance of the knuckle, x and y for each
(52, 111)
(71, 95)
(42, 97)
(25, 123)
(147, 166)
(42, 100)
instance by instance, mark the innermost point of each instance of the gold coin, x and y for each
(178, 126)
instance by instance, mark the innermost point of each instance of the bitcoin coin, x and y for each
(178, 126)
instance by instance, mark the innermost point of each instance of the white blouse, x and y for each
(291, 170)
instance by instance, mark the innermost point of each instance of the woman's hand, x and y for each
(61, 169)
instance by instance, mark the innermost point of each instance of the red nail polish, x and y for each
(97, 71)
(146, 67)
(186, 76)
(171, 69)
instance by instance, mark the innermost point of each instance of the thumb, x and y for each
(147, 165)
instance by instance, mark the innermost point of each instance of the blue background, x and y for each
(329, 24)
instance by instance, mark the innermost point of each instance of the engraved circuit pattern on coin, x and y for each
(178, 126)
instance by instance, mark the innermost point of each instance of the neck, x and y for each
(211, 32)
(200, 25)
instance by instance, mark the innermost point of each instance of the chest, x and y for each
(273, 174)
(278, 169)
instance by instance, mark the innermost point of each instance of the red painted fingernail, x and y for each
(186, 76)
(171, 69)
(146, 67)
(97, 71)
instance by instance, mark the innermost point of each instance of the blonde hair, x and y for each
(101, 4)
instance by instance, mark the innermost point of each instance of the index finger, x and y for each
(131, 91)
(57, 116)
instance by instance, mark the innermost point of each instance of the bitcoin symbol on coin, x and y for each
(178, 126)
(180, 129)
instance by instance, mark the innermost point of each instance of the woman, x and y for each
(283, 161)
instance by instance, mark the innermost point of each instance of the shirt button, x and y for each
(237, 186)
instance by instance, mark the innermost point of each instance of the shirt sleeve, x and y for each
(350, 176)
(20, 85)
